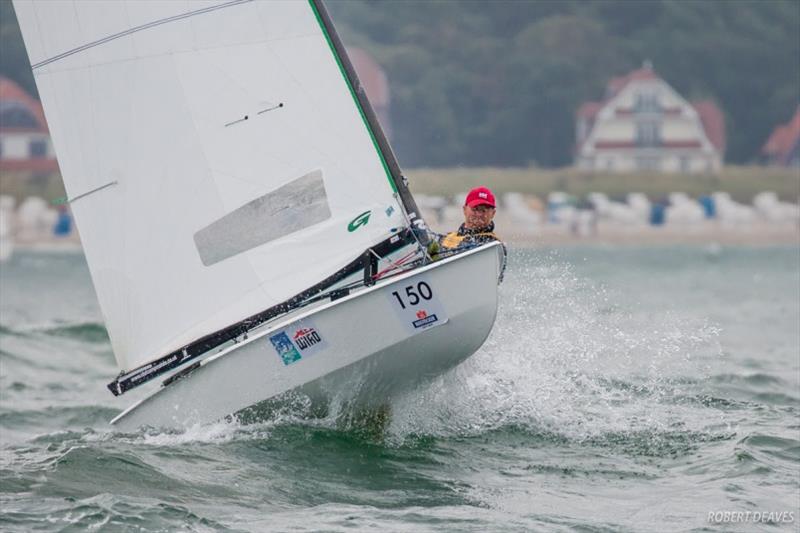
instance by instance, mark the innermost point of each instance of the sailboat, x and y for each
(247, 227)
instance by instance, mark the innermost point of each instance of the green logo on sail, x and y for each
(360, 220)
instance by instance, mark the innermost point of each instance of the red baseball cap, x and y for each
(480, 196)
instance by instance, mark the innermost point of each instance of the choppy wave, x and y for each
(583, 393)
(92, 332)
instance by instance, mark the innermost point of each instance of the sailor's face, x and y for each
(478, 217)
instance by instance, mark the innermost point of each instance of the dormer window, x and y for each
(646, 102)
(15, 115)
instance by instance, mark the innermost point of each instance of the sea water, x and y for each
(622, 389)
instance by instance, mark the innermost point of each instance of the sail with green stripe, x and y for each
(215, 154)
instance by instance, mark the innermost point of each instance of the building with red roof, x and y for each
(783, 146)
(24, 138)
(643, 124)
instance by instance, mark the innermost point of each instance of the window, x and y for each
(646, 102)
(38, 149)
(15, 115)
(648, 133)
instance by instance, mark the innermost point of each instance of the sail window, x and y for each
(299, 204)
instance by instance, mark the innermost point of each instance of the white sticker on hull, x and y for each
(416, 304)
(298, 341)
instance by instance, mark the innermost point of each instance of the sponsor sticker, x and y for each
(360, 220)
(297, 342)
(416, 304)
(424, 319)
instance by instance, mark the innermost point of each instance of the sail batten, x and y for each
(148, 110)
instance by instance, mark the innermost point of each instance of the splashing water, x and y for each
(614, 381)
(564, 359)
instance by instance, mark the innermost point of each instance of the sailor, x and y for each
(478, 227)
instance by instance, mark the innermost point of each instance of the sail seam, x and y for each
(137, 29)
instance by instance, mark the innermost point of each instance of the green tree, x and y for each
(13, 57)
(498, 82)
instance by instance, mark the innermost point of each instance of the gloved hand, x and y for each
(434, 249)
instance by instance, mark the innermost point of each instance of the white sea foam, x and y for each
(564, 357)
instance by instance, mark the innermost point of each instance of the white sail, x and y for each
(214, 155)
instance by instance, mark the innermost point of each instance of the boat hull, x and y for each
(373, 345)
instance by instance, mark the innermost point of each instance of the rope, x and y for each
(395, 264)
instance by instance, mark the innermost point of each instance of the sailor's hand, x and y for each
(433, 249)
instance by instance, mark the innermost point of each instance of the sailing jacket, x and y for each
(461, 239)
(466, 238)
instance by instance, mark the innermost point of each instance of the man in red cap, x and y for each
(478, 227)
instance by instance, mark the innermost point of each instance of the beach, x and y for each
(517, 233)
(544, 234)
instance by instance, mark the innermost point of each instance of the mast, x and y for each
(138, 376)
(241, 138)
(398, 180)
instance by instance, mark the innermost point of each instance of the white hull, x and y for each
(366, 340)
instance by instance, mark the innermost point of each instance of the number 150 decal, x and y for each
(416, 304)
(414, 294)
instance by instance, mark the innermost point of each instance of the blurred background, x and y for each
(604, 120)
(643, 370)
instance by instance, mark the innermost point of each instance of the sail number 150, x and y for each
(414, 293)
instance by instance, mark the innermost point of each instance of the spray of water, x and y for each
(564, 358)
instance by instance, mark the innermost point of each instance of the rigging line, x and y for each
(136, 29)
(409, 224)
(127, 380)
(395, 264)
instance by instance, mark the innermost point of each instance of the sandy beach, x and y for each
(517, 233)
(521, 234)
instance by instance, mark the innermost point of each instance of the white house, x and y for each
(24, 138)
(645, 125)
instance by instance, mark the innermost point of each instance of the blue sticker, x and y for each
(389, 211)
(298, 341)
(424, 319)
(285, 348)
